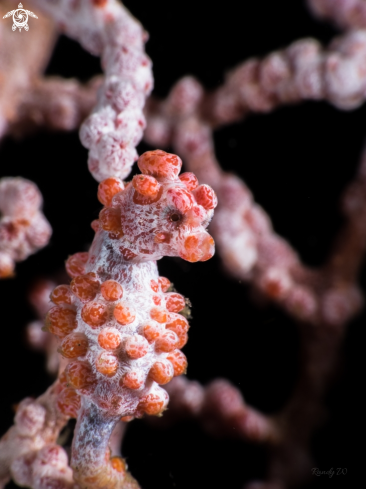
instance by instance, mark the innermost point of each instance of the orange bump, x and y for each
(110, 220)
(175, 302)
(108, 189)
(109, 338)
(181, 199)
(74, 345)
(164, 283)
(154, 403)
(156, 300)
(61, 295)
(136, 346)
(179, 362)
(196, 216)
(60, 321)
(206, 197)
(63, 379)
(94, 314)
(107, 364)
(111, 290)
(146, 185)
(182, 340)
(190, 180)
(133, 379)
(162, 372)
(68, 402)
(79, 375)
(158, 163)
(208, 248)
(198, 247)
(118, 464)
(75, 264)
(151, 331)
(166, 342)
(159, 314)
(124, 314)
(191, 251)
(180, 327)
(140, 199)
(85, 287)
(154, 285)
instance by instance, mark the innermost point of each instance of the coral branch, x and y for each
(18, 72)
(220, 408)
(28, 451)
(56, 104)
(302, 71)
(345, 13)
(107, 29)
(23, 227)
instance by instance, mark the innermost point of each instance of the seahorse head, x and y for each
(159, 213)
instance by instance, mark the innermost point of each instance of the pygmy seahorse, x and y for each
(119, 326)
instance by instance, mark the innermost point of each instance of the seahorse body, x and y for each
(120, 329)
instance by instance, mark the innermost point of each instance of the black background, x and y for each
(296, 160)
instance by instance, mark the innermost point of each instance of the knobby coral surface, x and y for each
(111, 318)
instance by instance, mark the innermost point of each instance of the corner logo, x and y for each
(20, 18)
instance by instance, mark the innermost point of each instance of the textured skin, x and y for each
(120, 330)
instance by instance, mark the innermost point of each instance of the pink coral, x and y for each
(23, 227)
(113, 130)
(29, 451)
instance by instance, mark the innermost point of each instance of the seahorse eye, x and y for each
(175, 217)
